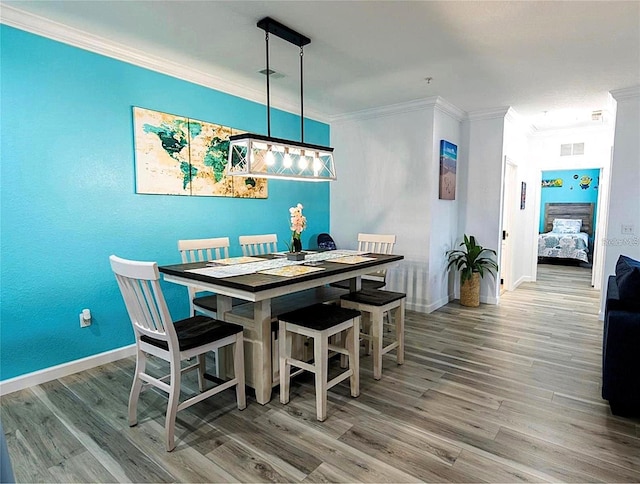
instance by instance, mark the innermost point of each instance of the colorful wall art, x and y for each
(175, 155)
(448, 161)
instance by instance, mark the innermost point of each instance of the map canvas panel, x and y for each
(209, 151)
(181, 156)
(161, 152)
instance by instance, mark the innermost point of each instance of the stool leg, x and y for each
(238, 371)
(352, 344)
(285, 352)
(376, 339)
(399, 317)
(366, 329)
(202, 368)
(321, 363)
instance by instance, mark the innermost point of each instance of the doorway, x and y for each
(568, 222)
(508, 201)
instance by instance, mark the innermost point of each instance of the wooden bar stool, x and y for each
(320, 322)
(375, 303)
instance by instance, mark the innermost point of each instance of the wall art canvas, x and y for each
(552, 182)
(448, 162)
(176, 155)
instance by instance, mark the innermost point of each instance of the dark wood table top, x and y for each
(260, 282)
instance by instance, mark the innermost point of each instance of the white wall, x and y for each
(444, 216)
(388, 183)
(522, 230)
(480, 182)
(624, 204)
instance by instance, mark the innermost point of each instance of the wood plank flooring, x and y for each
(503, 393)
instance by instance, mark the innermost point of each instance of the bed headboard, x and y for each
(582, 211)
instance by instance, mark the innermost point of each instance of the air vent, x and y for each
(572, 149)
(272, 74)
(578, 149)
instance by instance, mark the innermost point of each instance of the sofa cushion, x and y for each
(628, 280)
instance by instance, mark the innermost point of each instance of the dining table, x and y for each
(269, 284)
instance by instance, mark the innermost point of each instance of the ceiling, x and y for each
(558, 57)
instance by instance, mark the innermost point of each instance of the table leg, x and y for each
(261, 364)
(224, 305)
(355, 284)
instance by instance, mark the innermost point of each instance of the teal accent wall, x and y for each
(575, 188)
(68, 201)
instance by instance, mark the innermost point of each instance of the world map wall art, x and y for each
(175, 155)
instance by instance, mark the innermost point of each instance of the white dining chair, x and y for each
(158, 335)
(198, 250)
(258, 244)
(378, 244)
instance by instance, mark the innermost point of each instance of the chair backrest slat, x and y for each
(258, 244)
(377, 244)
(139, 284)
(198, 250)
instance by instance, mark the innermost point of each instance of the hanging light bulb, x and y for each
(302, 161)
(317, 165)
(269, 158)
(287, 162)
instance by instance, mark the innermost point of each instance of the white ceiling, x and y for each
(534, 56)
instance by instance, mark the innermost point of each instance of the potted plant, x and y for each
(298, 223)
(472, 262)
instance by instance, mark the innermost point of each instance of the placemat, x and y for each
(291, 271)
(236, 260)
(352, 259)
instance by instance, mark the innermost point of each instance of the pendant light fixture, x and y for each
(258, 156)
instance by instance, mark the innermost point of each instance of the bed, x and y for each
(568, 230)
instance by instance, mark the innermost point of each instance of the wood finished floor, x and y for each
(495, 394)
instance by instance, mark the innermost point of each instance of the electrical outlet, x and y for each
(85, 318)
(627, 229)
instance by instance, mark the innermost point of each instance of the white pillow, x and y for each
(567, 225)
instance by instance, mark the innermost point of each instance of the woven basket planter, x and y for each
(470, 291)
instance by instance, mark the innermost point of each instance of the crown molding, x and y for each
(449, 109)
(626, 93)
(383, 111)
(486, 114)
(59, 32)
(435, 102)
(514, 117)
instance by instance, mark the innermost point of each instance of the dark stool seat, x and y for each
(319, 316)
(320, 322)
(374, 304)
(366, 284)
(374, 297)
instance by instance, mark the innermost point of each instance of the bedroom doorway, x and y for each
(568, 217)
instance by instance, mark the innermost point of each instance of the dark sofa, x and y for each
(621, 340)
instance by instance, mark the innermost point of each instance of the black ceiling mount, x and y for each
(276, 28)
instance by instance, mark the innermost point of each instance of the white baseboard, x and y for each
(41, 376)
(489, 300)
(521, 280)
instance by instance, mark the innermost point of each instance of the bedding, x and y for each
(564, 245)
